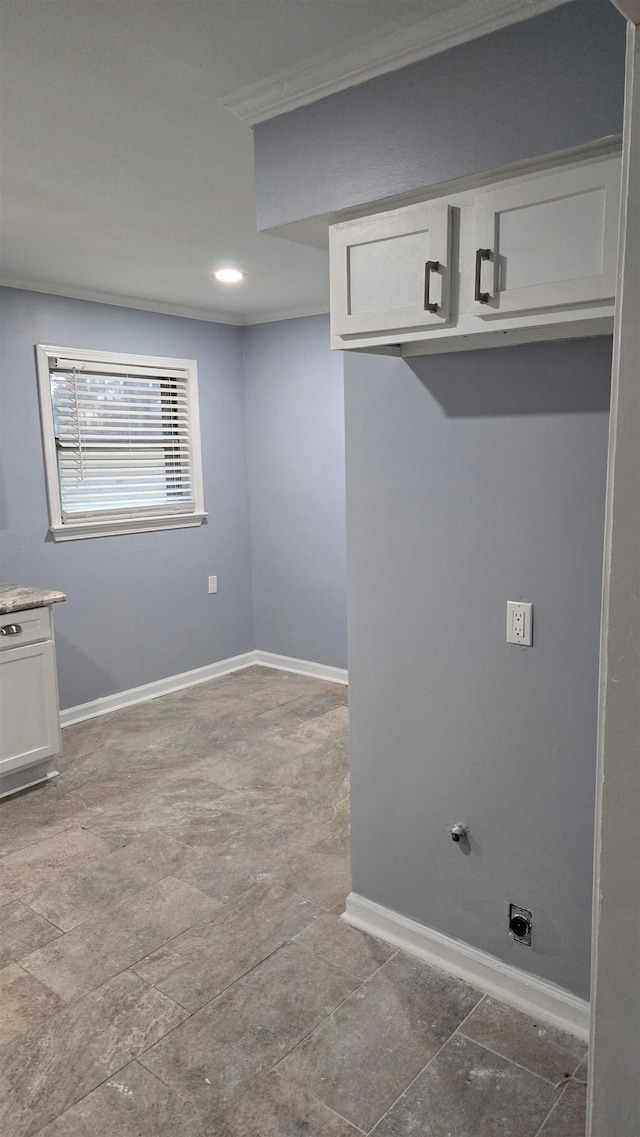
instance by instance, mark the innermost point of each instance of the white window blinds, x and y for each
(123, 437)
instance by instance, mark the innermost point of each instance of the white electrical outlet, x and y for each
(213, 584)
(519, 623)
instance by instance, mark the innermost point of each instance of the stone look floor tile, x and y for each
(94, 952)
(240, 811)
(245, 777)
(333, 724)
(175, 806)
(249, 859)
(22, 931)
(148, 752)
(548, 1052)
(199, 964)
(252, 691)
(111, 787)
(23, 871)
(132, 1103)
(318, 771)
(569, 1116)
(47, 1070)
(338, 829)
(345, 947)
(93, 889)
(88, 736)
(291, 715)
(470, 1092)
(371, 1047)
(233, 1040)
(260, 758)
(24, 1002)
(38, 813)
(319, 874)
(277, 1108)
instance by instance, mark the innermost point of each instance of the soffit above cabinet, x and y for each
(314, 231)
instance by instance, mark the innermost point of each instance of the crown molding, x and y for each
(238, 321)
(378, 53)
(292, 313)
(72, 293)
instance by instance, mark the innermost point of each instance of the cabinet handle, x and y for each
(431, 266)
(10, 629)
(481, 255)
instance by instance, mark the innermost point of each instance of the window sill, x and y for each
(78, 530)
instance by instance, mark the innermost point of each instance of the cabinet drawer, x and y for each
(391, 271)
(547, 242)
(27, 627)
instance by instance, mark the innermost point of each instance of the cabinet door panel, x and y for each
(552, 240)
(387, 270)
(29, 719)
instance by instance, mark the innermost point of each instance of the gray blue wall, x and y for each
(474, 479)
(138, 608)
(295, 422)
(533, 88)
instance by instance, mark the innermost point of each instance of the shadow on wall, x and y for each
(77, 664)
(478, 384)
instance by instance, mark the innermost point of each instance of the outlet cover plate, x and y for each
(213, 584)
(519, 623)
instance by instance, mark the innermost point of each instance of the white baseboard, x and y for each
(172, 683)
(302, 667)
(536, 997)
(166, 686)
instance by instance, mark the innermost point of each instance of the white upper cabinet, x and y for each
(529, 257)
(391, 270)
(547, 242)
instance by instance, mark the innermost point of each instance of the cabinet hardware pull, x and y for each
(431, 266)
(10, 629)
(481, 255)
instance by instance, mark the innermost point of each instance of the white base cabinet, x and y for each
(29, 714)
(525, 258)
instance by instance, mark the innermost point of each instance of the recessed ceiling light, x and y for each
(229, 275)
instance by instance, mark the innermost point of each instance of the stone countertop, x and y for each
(14, 598)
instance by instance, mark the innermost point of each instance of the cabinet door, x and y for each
(29, 719)
(548, 242)
(391, 271)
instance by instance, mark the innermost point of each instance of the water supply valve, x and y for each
(459, 831)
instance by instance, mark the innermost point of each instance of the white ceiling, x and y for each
(124, 176)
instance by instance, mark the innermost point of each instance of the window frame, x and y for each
(66, 530)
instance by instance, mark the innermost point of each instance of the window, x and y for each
(121, 440)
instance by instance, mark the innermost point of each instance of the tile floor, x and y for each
(172, 962)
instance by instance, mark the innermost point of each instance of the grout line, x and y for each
(238, 980)
(232, 983)
(336, 966)
(573, 1075)
(301, 895)
(556, 1102)
(432, 1058)
(38, 841)
(33, 912)
(512, 1061)
(173, 1089)
(84, 1096)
